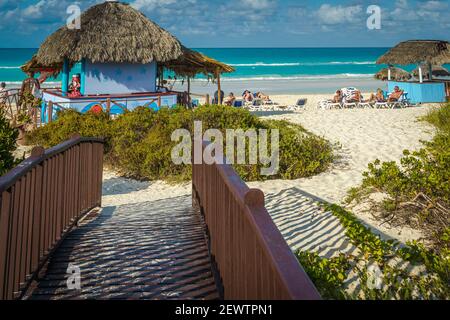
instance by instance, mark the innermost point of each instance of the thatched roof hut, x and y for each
(418, 51)
(116, 32)
(438, 71)
(397, 74)
(111, 32)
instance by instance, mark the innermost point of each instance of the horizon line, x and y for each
(306, 47)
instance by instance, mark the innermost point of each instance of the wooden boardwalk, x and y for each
(150, 250)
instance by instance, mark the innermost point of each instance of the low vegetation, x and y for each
(405, 272)
(416, 193)
(418, 190)
(138, 143)
(8, 137)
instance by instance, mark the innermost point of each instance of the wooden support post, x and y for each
(207, 102)
(159, 101)
(108, 107)
(65, 77)
(219, 89)
(50, 111)
(430, 70)
(37, 152)
(189, 91)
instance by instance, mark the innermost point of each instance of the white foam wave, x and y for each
(302, 77)
(9, 67)
(297, 64)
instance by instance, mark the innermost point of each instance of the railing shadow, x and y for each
(147, 250)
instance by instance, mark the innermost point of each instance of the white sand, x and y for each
(119, 191)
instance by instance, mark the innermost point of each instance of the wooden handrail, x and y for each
(40, 201)
(249, 252)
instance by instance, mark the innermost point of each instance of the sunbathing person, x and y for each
(262, 96)
(357, 97)
(230, 99)
(396, 95)
(247, 96)
(377, 97)
(338, 97)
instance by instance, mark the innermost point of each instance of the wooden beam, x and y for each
(219, 89)
(189, 91)
(430, 70)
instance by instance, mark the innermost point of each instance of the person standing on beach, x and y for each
(2, 92)
(29, 93)
(30, 84)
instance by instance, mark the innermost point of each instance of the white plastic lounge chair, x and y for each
(329, 104)
(365, 105)
(381, 105)
(348, 94)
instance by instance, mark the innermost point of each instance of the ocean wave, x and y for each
(298, 64)
(9, 67)
(301, 77)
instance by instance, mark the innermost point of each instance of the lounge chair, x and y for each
(329, 104)
(348, 94)
(381, 105)
(238, 103)
(365, 105)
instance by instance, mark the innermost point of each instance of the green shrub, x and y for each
(418, 188)
(139, 143)
(328, 275)
(8, 137)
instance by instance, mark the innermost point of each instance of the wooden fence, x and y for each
(250, 254)
(40, 201)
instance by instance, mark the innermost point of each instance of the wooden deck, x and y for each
(150, 250)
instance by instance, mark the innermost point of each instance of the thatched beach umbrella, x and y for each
(416, 51)
(429, 52)
(438, 71)
(397, 74)
(111, 32)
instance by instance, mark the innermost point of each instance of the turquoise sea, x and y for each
(280, 67)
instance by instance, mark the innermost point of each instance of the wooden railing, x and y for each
(9, 102)
(40, 201)
(247, 249)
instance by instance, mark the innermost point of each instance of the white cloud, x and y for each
(433, 5)
(151, 4)
(330, 15)
(258, 4)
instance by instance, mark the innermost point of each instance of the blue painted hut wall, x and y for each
(426, 92)
(114, 78)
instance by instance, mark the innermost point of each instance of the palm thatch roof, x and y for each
(438, 71)
(418, 51)
(191, 63)
(34, 66)
(111, 32)
(397, 74)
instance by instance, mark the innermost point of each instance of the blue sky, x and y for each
(249, 23)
